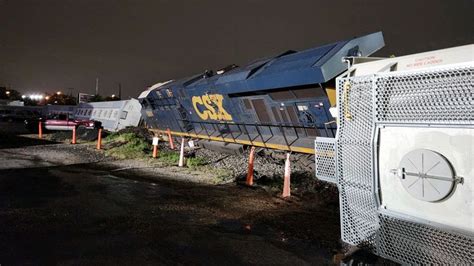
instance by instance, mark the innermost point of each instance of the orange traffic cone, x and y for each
(99, 139)
(73, 135)
(249, 181)
(170, 139)
(40, 130)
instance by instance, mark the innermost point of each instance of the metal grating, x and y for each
(419, 244)
(325, 159)
(435, 96)
(428, 96)
(354, 161)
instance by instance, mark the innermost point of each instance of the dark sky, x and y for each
(47, 45)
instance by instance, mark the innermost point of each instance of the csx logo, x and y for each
(212, 107)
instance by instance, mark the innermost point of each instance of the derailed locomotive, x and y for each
(281, 103)
(400, 150)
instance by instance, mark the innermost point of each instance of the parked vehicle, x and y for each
(68, 122)
(11, 115)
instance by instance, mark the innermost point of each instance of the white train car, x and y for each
(114, 115)
(58, 109)
(403, 157)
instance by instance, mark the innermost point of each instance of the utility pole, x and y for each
(97, 86)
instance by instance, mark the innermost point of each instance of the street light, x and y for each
(7, 93)
(58, 93)
(23, 96)
(113, 95)
(35, 97)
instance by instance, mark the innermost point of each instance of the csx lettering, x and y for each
(212, 107)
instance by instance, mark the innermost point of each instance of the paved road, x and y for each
(87, 214)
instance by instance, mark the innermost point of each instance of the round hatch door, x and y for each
(427, 175)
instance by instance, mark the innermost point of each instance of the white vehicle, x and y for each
(403, 156)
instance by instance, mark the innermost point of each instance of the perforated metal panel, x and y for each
(325, 159)
(354, 161)
(416, 243)
(435, 96)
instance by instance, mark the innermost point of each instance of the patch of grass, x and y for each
(194, 162)
(133, 147)
(168, 157)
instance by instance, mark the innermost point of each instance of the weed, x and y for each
(168, 157)
(194, 162)
(132, 147)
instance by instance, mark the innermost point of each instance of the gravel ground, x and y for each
(49, 155)
(308, 221)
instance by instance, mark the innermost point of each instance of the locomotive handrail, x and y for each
(326, 127)
(257, 126)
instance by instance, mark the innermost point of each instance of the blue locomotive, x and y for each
(282, 102)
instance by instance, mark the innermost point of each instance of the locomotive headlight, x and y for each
(282, 106)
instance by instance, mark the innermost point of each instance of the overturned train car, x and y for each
(282, 102)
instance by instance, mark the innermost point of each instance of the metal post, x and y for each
(181, 154)
(286, 180)
(249, 180)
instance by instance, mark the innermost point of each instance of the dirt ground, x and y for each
(65, 204)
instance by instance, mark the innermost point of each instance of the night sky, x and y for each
(46, 45)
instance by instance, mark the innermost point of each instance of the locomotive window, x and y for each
(281, 95)
(247, 104)
(89, 112)
(158, 93)
(261, 110)
(276, 114)
(309, 93)
(292, 112)
(284, 116)
(124, 115)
